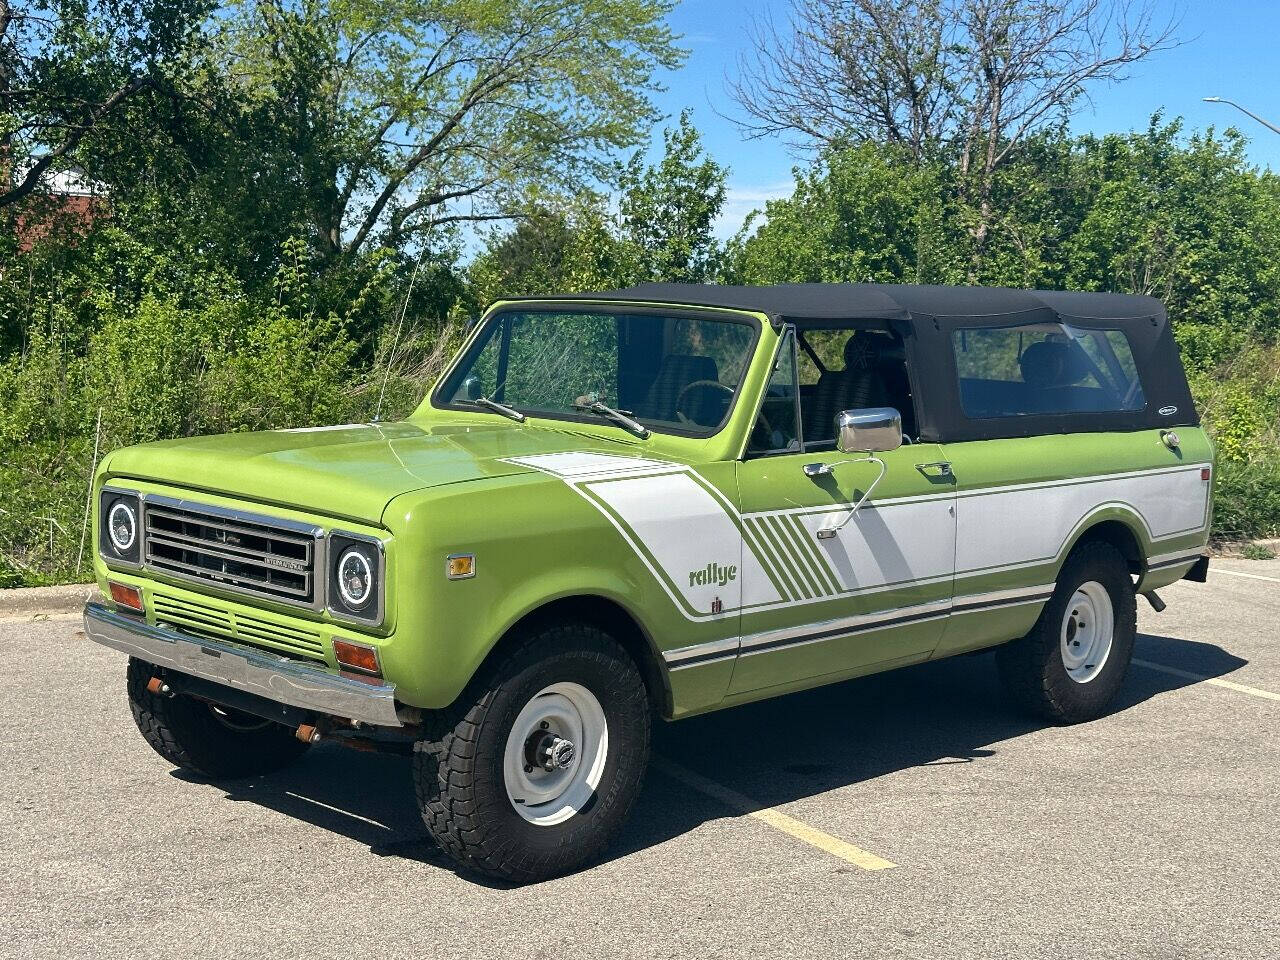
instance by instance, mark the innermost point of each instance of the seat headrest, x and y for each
(1052, 363)
(688, 367)
(860, 351)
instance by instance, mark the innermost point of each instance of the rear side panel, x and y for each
(1022, 504)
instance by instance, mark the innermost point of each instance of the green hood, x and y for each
(349, 471)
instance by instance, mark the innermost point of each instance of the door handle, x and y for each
(939, 468)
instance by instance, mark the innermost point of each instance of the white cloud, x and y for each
(742, 198)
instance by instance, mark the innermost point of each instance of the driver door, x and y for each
(877, 591)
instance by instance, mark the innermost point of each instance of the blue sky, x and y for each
(1231, 48)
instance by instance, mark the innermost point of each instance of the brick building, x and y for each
(65, 201)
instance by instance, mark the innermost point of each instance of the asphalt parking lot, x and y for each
(1153, 832)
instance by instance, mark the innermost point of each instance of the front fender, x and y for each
(535, 541)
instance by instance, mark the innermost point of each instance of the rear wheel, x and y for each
(1069, 668)
(535, 770)
(209, 740)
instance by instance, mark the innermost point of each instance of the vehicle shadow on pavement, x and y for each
(774, 752)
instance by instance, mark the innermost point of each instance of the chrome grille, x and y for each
(247, 553)
(211, 620)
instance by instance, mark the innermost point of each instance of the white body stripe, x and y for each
(913, 542)
(582, 465)
(665, 511)
(684, 527)
(1003, 528)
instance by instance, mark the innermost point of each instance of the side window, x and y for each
(1045, 368)
(777, 428)
(850, 368)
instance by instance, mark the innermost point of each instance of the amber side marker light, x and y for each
(356, 656)
(460, 566)
(126, 596)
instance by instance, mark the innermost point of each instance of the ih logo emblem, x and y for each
(714, 575)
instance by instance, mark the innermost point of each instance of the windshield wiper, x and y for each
(617, 416)
(497, 407)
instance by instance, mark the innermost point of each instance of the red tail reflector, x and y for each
(1204, 473)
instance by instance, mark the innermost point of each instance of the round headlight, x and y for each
(123, 526)
(355, 579)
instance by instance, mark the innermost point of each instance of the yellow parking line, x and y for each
(1216, 681)
(1241, 573)
(775, 818)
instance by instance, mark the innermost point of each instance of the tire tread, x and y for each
(447, 760)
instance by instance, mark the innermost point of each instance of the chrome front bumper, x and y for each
(253, 671)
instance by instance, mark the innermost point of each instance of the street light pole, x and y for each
(1270, 126)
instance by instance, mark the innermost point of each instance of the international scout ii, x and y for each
(656, 502)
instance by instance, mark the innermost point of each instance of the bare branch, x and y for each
(74, 134)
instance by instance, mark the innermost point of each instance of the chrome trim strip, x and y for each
(1173, 559)
(997, 598)
(844, 627)
(772, 640)
(1166, 561)
(298, 684)
(1013, 602)
(703, 651)
(233, 514)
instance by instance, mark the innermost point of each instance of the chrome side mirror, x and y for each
(871, 430)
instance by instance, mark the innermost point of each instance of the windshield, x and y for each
(671, 373)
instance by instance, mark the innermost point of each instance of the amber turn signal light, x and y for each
(356, 656)
(126, 596)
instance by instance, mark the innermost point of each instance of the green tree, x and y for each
(405, 117)
(1186, 219)
(669, 211)
(69, 69)
(975, 80)
(663, 230)
(863, 214)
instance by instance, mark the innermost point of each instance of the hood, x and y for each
(350, 471)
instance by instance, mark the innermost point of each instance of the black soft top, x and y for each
(927, 317)
(802, 303)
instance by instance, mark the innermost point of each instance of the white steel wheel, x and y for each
(1088, 630)
(555, 754)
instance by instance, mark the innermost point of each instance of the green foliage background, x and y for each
(213, 294)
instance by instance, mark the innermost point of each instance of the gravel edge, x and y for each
(37, 601)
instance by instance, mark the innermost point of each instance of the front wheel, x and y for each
(535, 770)
(1070, 666)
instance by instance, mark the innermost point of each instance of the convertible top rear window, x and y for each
(1044, 368)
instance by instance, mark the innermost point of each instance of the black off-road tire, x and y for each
(189, 734)
(1033, 669)
(458, 766)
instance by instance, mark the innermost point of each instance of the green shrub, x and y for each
(1256, 551)
(168, 365)
(1247, 499)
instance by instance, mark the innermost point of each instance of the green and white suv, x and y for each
(656, 502)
